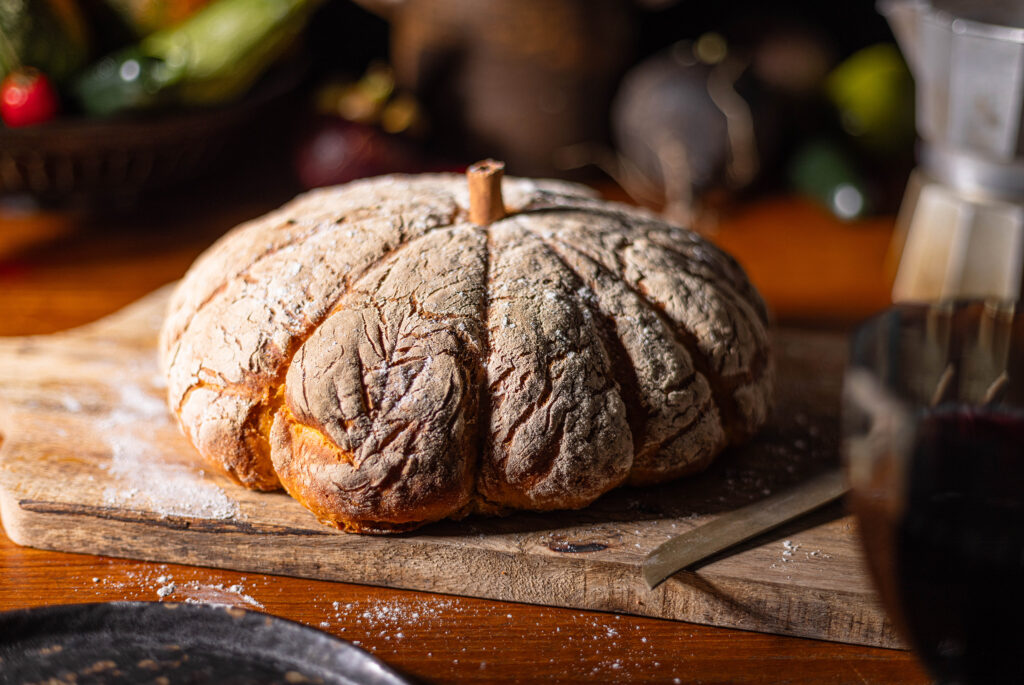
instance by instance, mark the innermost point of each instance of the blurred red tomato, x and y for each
(26, 98)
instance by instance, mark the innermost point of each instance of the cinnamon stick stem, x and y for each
(485, 203)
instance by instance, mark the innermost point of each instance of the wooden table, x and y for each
(62, 269)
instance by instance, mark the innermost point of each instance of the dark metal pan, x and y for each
(149, 642)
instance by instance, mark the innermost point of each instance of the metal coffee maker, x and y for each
(961, 226)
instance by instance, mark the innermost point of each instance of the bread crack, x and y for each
(723, 386)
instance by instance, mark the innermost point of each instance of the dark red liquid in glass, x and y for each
(959, 548)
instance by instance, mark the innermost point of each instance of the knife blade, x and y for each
(741, 525)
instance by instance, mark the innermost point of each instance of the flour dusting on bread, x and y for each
(390, 363)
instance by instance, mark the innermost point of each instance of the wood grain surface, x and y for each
(442, 639)
(60, 269)
(93, 463)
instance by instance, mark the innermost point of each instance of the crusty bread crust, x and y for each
(389, 363)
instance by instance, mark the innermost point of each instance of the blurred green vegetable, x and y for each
(212, 57)
(50, 35)
(146, 16)
(874, 94)
(822, 170)
(126, 80)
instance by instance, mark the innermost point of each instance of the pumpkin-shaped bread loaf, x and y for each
(392, 356)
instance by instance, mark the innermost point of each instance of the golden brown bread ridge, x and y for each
(390, 363)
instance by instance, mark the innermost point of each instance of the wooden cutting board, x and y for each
(92, 462)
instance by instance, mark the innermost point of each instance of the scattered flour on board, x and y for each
(790, 548)
(71, 404)
(148, 475)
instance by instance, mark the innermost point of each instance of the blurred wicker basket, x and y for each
(122, 156)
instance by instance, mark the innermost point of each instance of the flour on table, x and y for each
(194, 592)
(148, 474)
(140, 585)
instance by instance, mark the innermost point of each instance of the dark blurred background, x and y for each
(135, 132)
(351, 36)
(687, 107)
(582, 89)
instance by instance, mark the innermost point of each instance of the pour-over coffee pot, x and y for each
(961, 227)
